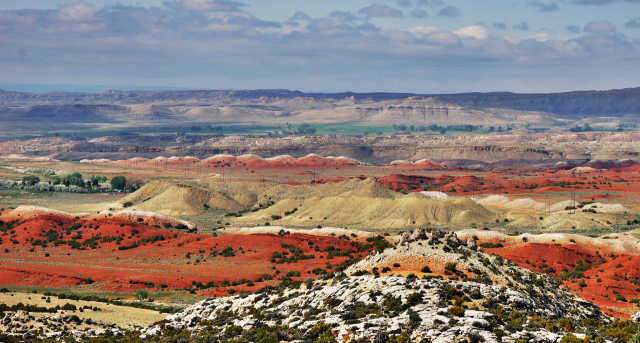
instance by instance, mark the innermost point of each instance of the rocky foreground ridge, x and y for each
(23, 324)
(474, 304)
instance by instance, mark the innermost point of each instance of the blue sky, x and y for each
(420, 46)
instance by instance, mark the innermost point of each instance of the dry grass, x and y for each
(122, 316)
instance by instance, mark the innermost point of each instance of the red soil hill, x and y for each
(118, 255)
(609, 280)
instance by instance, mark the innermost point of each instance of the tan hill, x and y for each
(372, 213)
(372, 188)
(172, 198)
(353, 203)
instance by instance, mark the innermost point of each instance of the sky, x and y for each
(416, 46)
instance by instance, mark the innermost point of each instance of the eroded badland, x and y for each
(281, 216)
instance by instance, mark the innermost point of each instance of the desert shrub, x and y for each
(127, 204)
(576, 273)
(414, 299)
(425, 269)
(227, 252)
(450, 266)
(490, 245)
(474, 337)
(68, 307)
(569, 338)
(591, 322)
(456, 311)
(475, 294)
(127, 247)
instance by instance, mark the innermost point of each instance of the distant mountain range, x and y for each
(619, 102)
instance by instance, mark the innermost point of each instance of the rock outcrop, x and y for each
(21, 323)
(363, 305)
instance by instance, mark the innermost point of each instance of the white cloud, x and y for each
(422, 31)
(475, 31)
(443, 38)
(79, 12)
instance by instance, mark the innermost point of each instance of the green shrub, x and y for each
(569, 338)
(450, 266)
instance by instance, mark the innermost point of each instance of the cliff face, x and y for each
(618, 102)
(133, 111)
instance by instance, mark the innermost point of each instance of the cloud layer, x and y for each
(218, 44)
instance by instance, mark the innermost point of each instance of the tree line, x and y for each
(76, 179)
(444, 129)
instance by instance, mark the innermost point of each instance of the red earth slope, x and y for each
(609, 280)
(40, 251)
